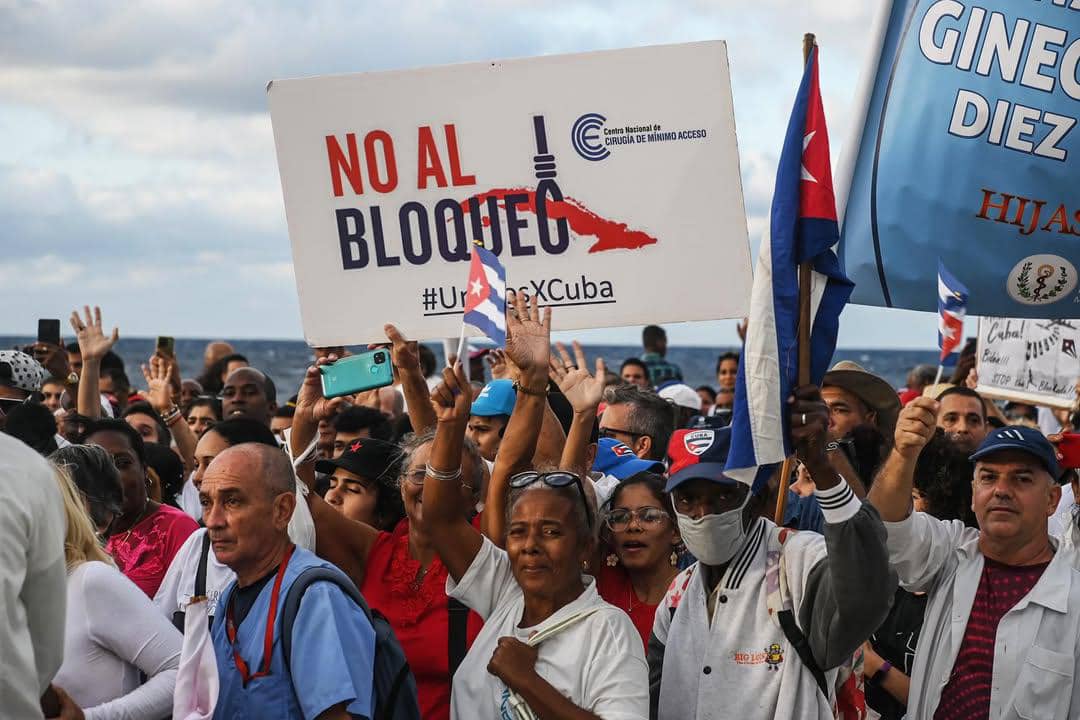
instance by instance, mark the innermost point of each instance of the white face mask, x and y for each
(714, 539)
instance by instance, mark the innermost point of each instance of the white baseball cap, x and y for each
(682, 395)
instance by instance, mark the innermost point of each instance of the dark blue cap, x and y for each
(1025, 439)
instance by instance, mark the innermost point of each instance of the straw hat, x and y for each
(877, 394)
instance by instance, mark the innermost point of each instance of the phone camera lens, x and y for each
(380, 358)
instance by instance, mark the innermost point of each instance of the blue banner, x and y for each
(969, 154)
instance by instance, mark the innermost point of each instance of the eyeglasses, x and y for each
(608, 432)
(558, 479)
(619, 520)
(416, 477)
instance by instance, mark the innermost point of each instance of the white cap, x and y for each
(682, 395)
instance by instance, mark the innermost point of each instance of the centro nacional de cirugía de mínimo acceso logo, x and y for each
(1041, 279)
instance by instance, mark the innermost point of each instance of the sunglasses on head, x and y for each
(9, 404)
(557, 479)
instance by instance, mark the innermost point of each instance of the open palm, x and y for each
(93, 343)
(583, 390)
(528, 337)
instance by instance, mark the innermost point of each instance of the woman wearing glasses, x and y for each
(550, 647)
(643, 539)
(398, 571)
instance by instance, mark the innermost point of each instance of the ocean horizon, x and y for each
(286, 360)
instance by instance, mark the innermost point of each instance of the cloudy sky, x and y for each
(138, 169)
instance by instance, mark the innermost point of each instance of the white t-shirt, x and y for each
(178, 585)
(113, 633)
(598, 663)
(32, 577)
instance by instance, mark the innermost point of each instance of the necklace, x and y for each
(417, 581)
(141, 516)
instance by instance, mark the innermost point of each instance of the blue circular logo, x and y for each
(586, 136)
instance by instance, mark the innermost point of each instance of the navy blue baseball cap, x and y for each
(619, 461)
(698, 454)
(497, 398)
(1018, 437)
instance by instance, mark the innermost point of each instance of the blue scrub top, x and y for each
(333, 652)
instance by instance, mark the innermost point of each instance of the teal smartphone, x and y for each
(357, 373)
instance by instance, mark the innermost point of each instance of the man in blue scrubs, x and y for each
(247, 498)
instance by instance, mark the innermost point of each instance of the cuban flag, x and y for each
(803, 227)
(485, 301)
(952, 299)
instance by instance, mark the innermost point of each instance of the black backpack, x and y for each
(394, 684)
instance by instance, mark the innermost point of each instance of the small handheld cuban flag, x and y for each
(952, 306)
(485, 299)
(803, 228)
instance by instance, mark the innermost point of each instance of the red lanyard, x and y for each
(268, 646)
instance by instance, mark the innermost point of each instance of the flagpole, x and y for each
(940, 370)
(805, 278)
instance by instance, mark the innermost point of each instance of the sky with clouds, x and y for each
(138, 169)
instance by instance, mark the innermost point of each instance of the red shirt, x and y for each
(613, 584)
(967, 694)
(419, 614)
(145, 552)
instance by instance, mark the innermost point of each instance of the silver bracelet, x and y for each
(442, 474)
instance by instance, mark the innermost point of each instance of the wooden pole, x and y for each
(805, 278)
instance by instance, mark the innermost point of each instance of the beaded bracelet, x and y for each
(172, 416)
(518, 387)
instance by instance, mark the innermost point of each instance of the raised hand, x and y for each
(93, 344)
(159, 389)
(405, 355)
(584, 391)
(809, 426)
(528, 337)
(916, 426)
(310, 399)
(52, 357)
(452, 399)
(501, 366)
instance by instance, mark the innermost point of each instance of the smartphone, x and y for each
(357, 373)
(166, 346)
(1069, 447)
(48, 331)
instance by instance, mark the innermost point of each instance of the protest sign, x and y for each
(607, 183)
(964, 150)
(1033, 361)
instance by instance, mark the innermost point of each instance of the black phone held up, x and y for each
(166, 345)
(48, 331)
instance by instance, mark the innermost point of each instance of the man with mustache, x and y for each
(1001, 637)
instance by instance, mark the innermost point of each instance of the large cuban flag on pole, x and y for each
(803, 228)
(485, 299)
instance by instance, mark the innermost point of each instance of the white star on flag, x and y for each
(477, 287)
(806, 141)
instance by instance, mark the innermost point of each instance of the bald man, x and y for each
(215, 351)
(247, 497)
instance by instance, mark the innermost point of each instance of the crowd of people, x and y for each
(560, 542)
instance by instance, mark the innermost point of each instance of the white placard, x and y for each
(630, 155)
(1033, 361)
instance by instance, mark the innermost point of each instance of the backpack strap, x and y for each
(291, 607)
(801, 645)
(200, 572)
(299, 586)
(457, 636)
(780, 606)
